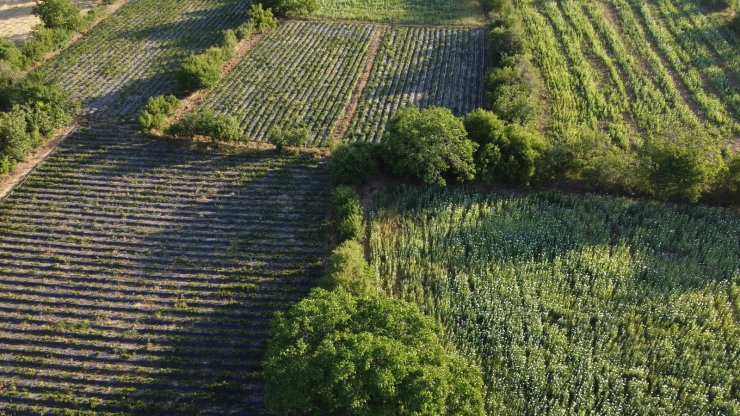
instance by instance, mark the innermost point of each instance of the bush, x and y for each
(354, 163)
(260, 20)
(10, 55)
(46, 103)
(44, 41)
(201, 71)
(332, 354)
(15, 140)
(507, 39)
(678, 167)
(349, 215)
(513, 90)
(296, 137)
(61, 14)
(292, 8)
(156, 111)
(349, 271)
(219, 127)
(429, 144)
(727, 187)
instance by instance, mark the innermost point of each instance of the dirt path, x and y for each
(342, 124)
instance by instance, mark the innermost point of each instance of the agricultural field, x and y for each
(573, 304)
(133, 54)
(138, 276)
(633, 68)
(421, 66)
(303, 72)
(448, 12)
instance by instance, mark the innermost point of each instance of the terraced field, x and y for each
(301, 72)
(630, 68)
(421, 66)
(137, 277)
(133, 54)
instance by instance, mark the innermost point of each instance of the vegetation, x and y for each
(377, 355)
(156, 112)
(313, 88)
(429, 144)
(572, 303)
(296, 137)
(58, 14)
(219, 127)
(203, 70)
(142, 262)
(349, 217)
(349, 271)
(292, 8)
(448, 12)
(260, 20)
(354, 163)
(422, 67)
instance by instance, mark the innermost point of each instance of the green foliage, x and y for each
(507, 39)
(296, 137)
(431, 12)
(513, 90)
(333, 354)
(429, 144)
(260, 20)
(201, 71)
(349, 215)
(58, 14)
(349, 271)
(292, 8)
(679, 167)
(573, 304)
(10, 55)
(354, 163)
(157, 110)
(219, 127)
(44, 40)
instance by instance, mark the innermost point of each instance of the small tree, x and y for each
(200, 71)
(349, 215)
(58, 14)
(354, 163)
(292, 8)
(429, 144)
(348, 270)
(156, 111)
(333, 354)
(296, 137)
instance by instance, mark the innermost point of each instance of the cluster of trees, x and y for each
(349, 349)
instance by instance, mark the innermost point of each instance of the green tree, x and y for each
(349, 215)
(333, 354)
(348, 270)
(157, 110)
(429, 144)
(292, 8)
(354, 163)
(58, 14)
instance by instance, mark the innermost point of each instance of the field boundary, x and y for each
(12, 179)
(109, 10)
(341, 126)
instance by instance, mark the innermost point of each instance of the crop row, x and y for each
(301, 73)
(421, 66)
(631, 69)
(139, 277)
(132, 54)
(573, 304)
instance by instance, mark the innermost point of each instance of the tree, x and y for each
(354, 163)
(292, 8)
(680, 166)
(348, 270)
(349, 215)
(156, 111)
(429, 144)
(507, 153)
(58, 14)
(333, 354)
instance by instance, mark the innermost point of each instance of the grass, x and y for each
(437, 12)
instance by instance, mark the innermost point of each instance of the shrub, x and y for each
(47, 104)
(678, 167)
(354, 163)
(349, 271)
(429, 144)
(513, 90)
(156, 111)
(296, 137)
(349, 215)
(507, 39)
(201, 71)
(44, 41)
(292, 8)
(15, 140)
(62, 14)
(727, 186)
(333, 354)
(219, 127)
(10, 55)
(260, 20)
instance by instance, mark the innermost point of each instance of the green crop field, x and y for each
(137, 277)
(300, 73)
(573, 304)
(634, 68)
(448, 12)
(133, 54)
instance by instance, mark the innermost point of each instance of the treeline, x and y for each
(350, 349)
(508, 144)
(32, 109)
